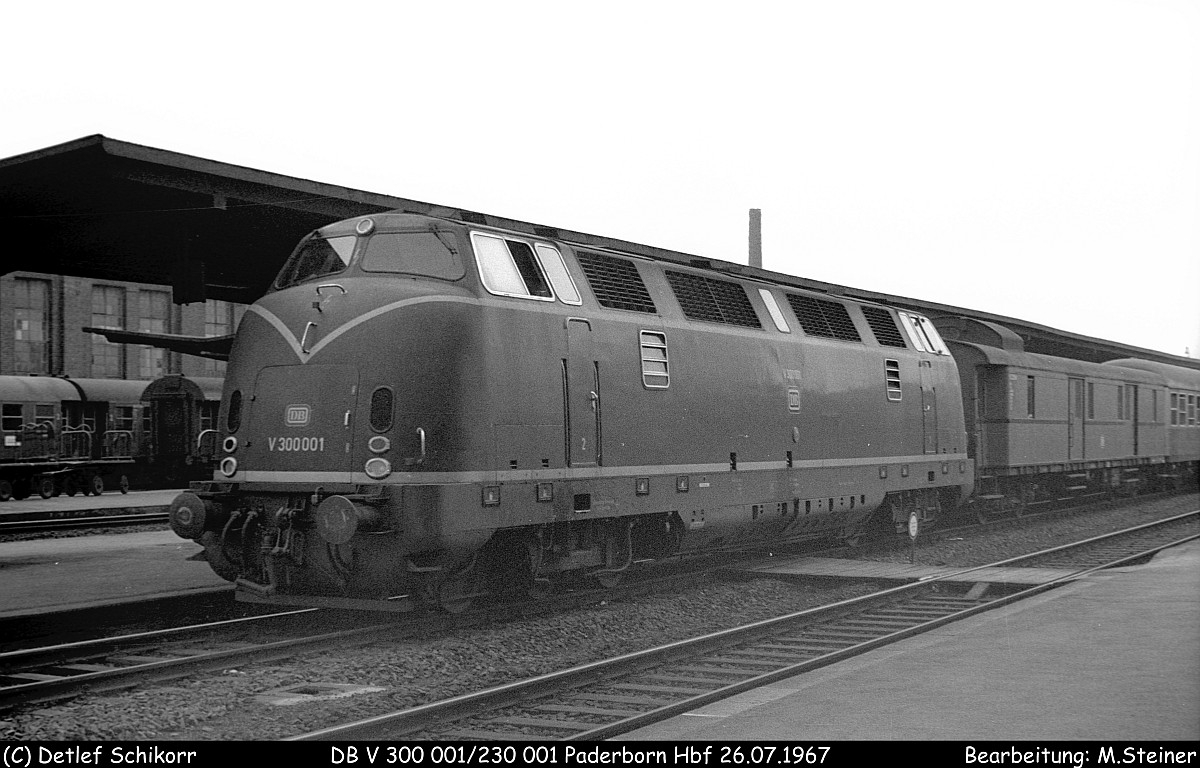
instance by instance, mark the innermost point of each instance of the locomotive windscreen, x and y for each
(316, 257)
(430, 254)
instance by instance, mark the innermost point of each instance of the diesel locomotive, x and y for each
(433, 409)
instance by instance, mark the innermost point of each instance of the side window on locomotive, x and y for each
(510, 268)
(923, 334)
(560, 278)
(316, 257)
(430, 254)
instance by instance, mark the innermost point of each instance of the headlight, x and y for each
(379, 444)
(230, 444)
(229, 466)
(378, 468)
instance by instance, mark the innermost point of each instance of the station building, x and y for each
(42, 317)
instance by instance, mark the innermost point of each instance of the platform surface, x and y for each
(109, 503)
(1113, 656)
(800, 566)
(40, 575)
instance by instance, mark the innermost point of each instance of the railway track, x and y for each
(608, 698)
(52, 672)
(78, 522)
(32, 675)
(46, 673)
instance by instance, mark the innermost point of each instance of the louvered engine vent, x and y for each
(823, 318)
(883, 325)
(616, 283)
(716, 301)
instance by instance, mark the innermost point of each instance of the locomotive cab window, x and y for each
(428, 254)
(510, 268)
(923, 334)
(316, 257)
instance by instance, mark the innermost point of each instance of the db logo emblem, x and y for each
(296, 415)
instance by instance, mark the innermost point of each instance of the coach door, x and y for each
(928, 407)
(1132, 411)
(169, 422)
(1075, 435)
(581, 385)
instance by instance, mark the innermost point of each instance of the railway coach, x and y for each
(431, 407)
(1042, 428)
(66, 435)
(1182, 423)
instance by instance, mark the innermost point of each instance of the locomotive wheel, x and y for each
(124, 484)
(216, 556)
(45, 487)
(459, 591)
(610, 579)
(6, 490)
(95, 485)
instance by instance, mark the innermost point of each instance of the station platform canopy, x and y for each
(101, 208)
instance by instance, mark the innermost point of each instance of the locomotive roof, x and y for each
(83, 208)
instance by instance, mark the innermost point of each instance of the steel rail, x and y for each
(82, 521)
(422, 718)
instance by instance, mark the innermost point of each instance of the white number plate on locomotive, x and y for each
(295, 443)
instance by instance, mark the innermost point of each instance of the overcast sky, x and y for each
(1038, 159)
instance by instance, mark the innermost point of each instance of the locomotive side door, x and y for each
(581, 387)
(928, 407)
(1075, 435)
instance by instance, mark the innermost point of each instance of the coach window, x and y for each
(556, 270)
(1030, 397)
(509, 268)
(429, 254)
(12, 418)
